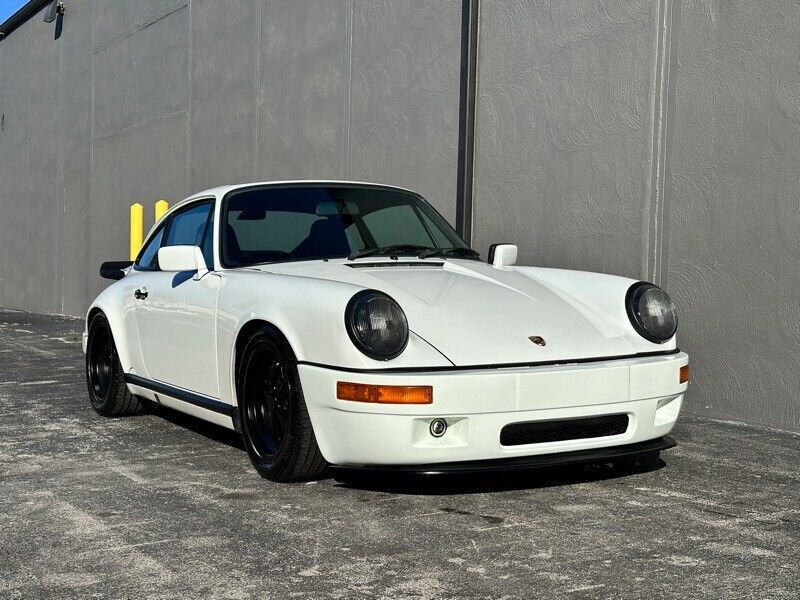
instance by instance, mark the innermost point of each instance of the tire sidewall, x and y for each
(98, 322)
(277, 466)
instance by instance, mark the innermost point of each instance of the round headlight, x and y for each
(376, 324)
(652, 312)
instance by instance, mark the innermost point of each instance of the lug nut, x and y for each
(438, 427)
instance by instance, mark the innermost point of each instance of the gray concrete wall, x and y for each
(656, 139)
(734, 207)
(148, 99)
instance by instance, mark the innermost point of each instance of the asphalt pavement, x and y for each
(164, 506)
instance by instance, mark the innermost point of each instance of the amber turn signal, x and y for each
(384, 394)
(684, 375)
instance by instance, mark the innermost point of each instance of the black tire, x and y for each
(108, 394)
(275, 426)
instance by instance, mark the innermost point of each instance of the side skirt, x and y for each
(193, 398)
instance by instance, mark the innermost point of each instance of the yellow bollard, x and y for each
(137, 228)
(162, 206)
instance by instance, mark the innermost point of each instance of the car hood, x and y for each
(476, 314)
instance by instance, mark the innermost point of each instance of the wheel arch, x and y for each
(107, 306)
(245, 332)
(93, 312)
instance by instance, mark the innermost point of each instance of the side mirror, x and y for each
(115, 269)
(182, 258)
(502, 255)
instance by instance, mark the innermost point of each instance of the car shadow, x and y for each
(451, 484)
(208, 430)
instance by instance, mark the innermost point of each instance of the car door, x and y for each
(176, 314)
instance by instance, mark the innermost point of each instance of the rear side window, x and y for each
(148, 257)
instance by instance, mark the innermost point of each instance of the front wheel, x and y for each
(108, 394)
(276, 428)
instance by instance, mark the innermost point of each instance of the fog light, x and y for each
(438, 427)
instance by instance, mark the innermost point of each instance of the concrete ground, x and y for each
(163, 506)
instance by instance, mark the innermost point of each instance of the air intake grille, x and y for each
(538, 432)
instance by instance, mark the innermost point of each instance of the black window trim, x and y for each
(223, 209)
(167, 222)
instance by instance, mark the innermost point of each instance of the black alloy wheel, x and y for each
(269, 407)
(108, 393)
(100, 364)
(276, 428)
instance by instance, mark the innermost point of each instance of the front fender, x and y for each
(601, 294)
(119, 311)
(309, 312)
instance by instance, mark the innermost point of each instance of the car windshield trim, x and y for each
(430, 221)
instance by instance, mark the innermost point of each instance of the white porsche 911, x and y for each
(347, 325)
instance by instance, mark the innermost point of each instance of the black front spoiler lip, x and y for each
(520, 463)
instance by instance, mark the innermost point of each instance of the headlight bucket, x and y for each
(651, 312)
(376, 324)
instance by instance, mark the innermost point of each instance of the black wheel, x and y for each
(108, 393)
(275, 425)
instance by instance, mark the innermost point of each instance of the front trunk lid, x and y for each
(476, 314)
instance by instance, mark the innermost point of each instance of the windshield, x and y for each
(275, 224)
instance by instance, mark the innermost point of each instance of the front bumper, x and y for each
(478, 403)
(520, 463)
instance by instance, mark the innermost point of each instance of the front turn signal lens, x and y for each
(684, 374)
(384, 394)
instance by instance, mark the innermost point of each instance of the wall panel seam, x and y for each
(257, 91)
(348, 99)
(656, 206)
(189, 94)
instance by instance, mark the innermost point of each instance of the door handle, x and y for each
(140, 294)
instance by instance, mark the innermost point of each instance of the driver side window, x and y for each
(187, 228)
(192, 226)
(148, 257)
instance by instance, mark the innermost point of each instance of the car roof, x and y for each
(220, 191)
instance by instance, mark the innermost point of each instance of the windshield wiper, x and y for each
(388, 251)
(465, 252)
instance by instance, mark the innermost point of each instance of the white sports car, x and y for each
(347, 325)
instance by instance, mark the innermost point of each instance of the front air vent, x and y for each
(392, 264)
(559, 430)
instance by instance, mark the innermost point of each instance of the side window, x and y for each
(186, 228)
(148, 257)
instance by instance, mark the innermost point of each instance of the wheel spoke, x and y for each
(101, 362)
(268, 403)
(282, 420)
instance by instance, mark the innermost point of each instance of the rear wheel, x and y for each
(276, 428)
(108, 394)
